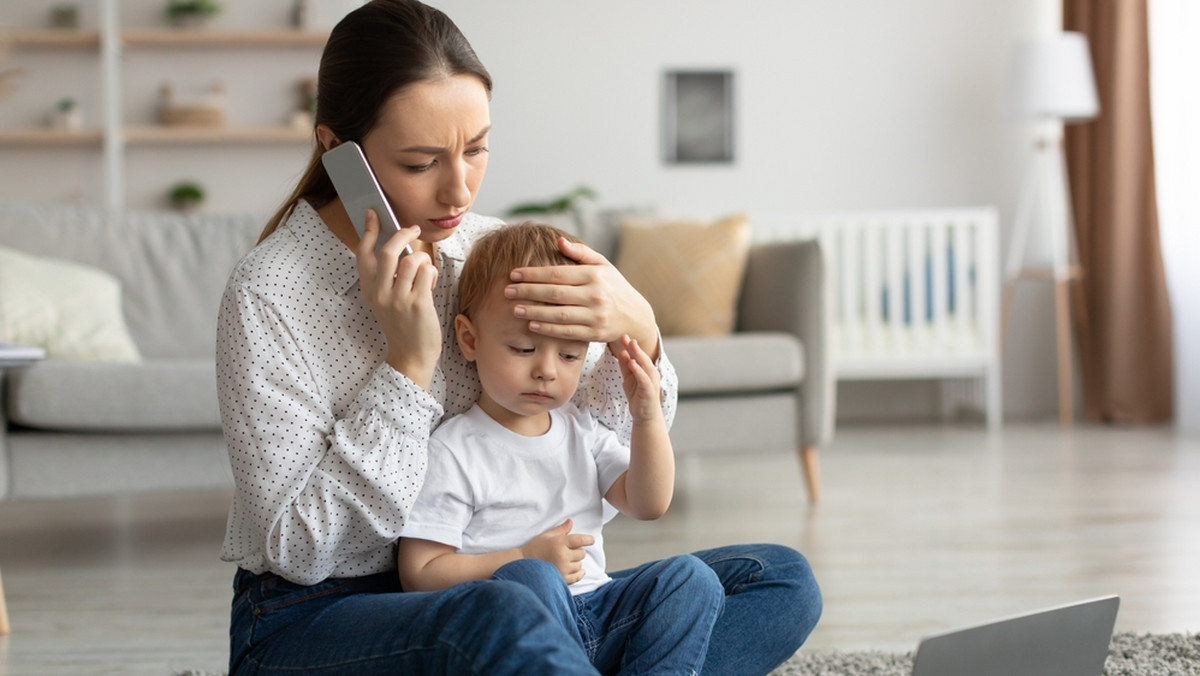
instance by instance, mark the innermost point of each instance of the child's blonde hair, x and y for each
(496, 254)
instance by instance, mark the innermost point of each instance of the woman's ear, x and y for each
(327, 138)
(465, 331)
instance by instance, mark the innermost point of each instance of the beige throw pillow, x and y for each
(72, 311)
(690, 272)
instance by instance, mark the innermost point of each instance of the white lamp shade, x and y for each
(1051, 79)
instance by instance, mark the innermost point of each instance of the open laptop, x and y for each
(1067, 640)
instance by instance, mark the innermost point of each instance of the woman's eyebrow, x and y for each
(434, 150)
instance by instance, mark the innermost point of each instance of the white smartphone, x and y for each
(356, 185)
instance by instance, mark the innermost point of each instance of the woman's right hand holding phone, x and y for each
(399, 290)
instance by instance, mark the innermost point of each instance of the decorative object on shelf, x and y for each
(64, 16)
(304, 115)
(8, 76)
(206, 112)
(191, 13)
(301, 14)
(67, 115)
(186, 196)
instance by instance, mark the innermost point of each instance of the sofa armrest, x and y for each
(4, 461)
(785, 289)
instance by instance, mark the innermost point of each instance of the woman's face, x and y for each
(429, 152)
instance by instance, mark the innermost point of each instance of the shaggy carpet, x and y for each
(1128, 655)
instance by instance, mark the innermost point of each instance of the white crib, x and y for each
(914, 295)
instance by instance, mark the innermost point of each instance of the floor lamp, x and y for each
(1051, 84)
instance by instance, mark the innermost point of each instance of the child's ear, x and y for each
(465, 330)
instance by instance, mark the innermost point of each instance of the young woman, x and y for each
(334, 364)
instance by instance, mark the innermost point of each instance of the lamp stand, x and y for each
(1047, 177)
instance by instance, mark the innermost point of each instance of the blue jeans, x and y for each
(772, 604)
(366, 626)
(655, 620)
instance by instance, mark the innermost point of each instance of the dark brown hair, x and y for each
(372, 53)
(497, 253)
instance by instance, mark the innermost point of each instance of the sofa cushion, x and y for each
(155, 395)
(172, 267)
(690, 272)
(71, 311)
(739, 362)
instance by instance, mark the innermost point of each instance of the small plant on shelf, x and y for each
(186, 196)
(185, 13)
(67, 115)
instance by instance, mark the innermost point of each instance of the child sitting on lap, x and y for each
(516, 486)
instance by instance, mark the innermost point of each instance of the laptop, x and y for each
(1067, 640)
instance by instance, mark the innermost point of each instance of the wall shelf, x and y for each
(37, 38)
(107, 45)
(34, 137)
(206, 39)
(158, 135)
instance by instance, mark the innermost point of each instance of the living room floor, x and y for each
(920, 529)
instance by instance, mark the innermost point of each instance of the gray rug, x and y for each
(1128, 655)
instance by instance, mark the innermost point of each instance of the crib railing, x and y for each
(914, 295)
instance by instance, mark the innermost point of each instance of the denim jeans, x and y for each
(655, 620)
(366, 626)
(772, 604)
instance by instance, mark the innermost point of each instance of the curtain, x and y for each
(1121, 310)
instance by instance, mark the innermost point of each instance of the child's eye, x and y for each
(567, 357)
(521, 350)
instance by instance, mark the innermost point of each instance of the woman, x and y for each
(334, 364)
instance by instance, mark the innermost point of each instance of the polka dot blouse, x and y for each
(327, 442)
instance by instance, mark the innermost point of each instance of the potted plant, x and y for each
(186, 196)
(67, 115)
(568, 203)
(186, 13)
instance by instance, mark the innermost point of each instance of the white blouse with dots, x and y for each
(327, 442)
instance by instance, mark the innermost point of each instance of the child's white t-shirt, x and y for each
(488, 488)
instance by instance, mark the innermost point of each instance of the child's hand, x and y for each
(641, 382)
(560, 547)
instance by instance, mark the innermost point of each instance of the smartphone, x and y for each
(356, 185)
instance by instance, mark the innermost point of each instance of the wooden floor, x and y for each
(921, 529)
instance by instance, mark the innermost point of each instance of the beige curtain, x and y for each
(1122, 315)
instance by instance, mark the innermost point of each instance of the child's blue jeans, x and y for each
(772, 603)
(655, 620)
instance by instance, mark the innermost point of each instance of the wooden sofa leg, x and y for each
(3, 612)
(811, 465)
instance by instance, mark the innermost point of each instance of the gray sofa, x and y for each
(70, 429)
(81, 429)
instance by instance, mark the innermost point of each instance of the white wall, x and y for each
(853, 104)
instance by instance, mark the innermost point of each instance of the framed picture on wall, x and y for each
(698, 117)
